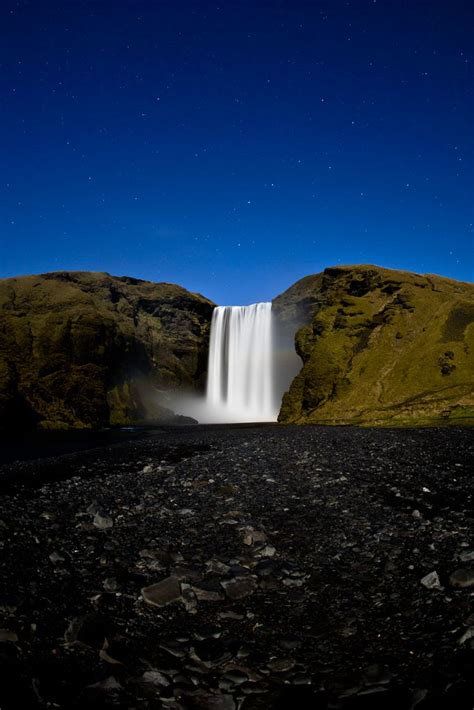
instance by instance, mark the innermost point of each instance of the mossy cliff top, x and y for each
(81, 349)
(380, 347)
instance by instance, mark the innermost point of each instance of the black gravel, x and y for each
(291, 558)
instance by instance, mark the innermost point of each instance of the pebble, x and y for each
(467, 635)
(239, 587)
(103, 522)
(462, 578)
(431, 581)
(162, 593)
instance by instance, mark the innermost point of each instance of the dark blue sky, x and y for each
(234, 147)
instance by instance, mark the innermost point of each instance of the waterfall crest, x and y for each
(240, 371)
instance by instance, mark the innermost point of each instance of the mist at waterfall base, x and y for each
(249, 368)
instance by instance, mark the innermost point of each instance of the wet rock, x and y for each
(462, 578)
(162, 593)
(7, 635)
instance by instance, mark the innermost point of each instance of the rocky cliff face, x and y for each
(380, 347)
(80, 349)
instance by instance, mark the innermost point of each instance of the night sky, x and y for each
(234, 147)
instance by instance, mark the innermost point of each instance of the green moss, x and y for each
(459, 318)
(80, 349)
(401, 355)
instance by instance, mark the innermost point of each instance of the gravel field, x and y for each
(248, 567)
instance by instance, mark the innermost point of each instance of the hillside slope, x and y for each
(380, 347)
(81, 349)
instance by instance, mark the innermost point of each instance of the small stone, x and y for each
(239, 587)
(376, 674)
(281, 665)
(7, 635)
(251, 536)
(236, 677)
(462, 578)
(301, 679)
(55, 557)
(208, 590)
(466, 556)
(431, 581)
(162, 593)
(267, 551)
(105, 656)
(155, 678)
(189, 598)
(293, 582)
(265, 568)
(208, 631)
(103, 522)
(467, 635)
(174, 648)
(109, 685)
(110, 584)
(416, 514)
(217, 567)
(231, 615)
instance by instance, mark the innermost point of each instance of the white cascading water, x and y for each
(240, 377)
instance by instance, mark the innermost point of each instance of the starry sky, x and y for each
(234, 147)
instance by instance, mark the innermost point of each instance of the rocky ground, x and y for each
(242, 567)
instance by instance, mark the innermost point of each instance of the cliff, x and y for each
(380, 347)
(81, 349)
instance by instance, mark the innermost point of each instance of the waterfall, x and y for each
(240, 377)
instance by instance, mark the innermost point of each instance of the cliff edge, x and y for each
(380, 347)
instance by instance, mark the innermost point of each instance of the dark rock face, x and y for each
(379, 347)
(81, 349)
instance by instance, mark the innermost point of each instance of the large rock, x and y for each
(80, 349)
(380, 347)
